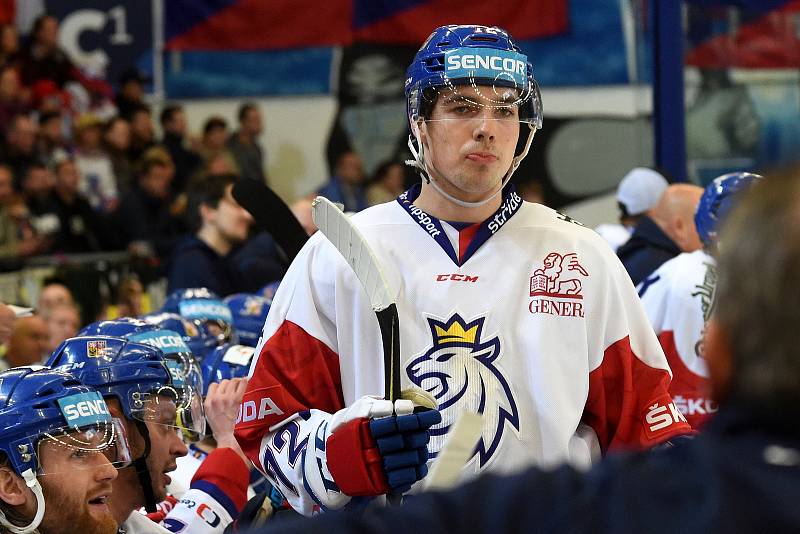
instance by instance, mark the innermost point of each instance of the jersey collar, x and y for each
(433, 226)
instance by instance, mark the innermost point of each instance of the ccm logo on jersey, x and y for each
(455, 277)
(660, 417)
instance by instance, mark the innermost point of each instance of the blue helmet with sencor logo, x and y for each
(226, 362)
(249, 313)
(194, 334)
(718, 199)
(203, 307)
(140, 376)
(40, 405)
(482, 68)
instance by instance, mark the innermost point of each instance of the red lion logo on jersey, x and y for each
(552, 280)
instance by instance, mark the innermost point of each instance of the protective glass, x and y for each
(213, 313)
(88, 440)
(481, 83)
(177, 405)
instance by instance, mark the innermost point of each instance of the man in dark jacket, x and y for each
(742, 474)
(663, 233)
(221, 224)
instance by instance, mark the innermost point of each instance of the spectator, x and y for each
(637, 192)
(220, 224)
(11, 101)
(217, 159)
(387, 183)
(130, 298)
(17, 237)
(19, 151)
(7, 319)
(243, 144)
(663, 232)
(80, 229)
(149, 215)
(37, 192)
(47, 68)
(54, 293)
(187, 161)
(27, 344)
(117, 139)
(52, 146)
(142, 132)
(97, 182)
(346, 185)
(131, 91)
(9, 46)
(739, 475)
(63, 322)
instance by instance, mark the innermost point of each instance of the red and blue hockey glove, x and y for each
(376, 448)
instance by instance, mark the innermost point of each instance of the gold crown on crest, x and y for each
(454, 332)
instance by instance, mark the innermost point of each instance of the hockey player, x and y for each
(157, 405)
(679, 299)
(56, 441)
(506, 307)
(249, 311)
(204, 308)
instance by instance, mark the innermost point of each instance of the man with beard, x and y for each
(57, 440)
(155, 396)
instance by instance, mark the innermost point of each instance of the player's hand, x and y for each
(376, 447)
(222, 408)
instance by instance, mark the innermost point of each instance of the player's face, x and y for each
(470, 140)
(76, 487)
(166, 445)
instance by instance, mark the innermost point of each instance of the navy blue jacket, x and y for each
(195, 264)
(741, 475)
(646, 250)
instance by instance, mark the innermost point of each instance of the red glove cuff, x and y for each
(354, 460)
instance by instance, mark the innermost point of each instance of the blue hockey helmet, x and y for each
(249, 313)
(195, 336)
(133, 372)
(40, 406)
(268, 291)
(477, 68)
(150, 386)
(718, 199)
(203, 307)
(226, 362)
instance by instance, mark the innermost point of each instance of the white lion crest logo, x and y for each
(460, 371)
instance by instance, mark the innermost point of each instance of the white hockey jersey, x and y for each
(678, 299)
(527, 317)
(217, 493)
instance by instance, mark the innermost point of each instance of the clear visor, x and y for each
(177, 406)
(69, 450)
(508, 106)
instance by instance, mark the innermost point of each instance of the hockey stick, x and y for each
(350, 243)
(458, 448)
(271, 214)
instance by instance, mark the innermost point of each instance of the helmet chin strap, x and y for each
(143, 471)
(419, 163)
(33, 483)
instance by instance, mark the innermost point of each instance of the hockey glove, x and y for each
(375, 448)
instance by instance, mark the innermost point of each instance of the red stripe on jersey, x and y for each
(465, 237)
(295, 372)
(628, 404)
(693, 389)
(226, 470)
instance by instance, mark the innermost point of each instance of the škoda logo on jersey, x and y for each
(556, 286)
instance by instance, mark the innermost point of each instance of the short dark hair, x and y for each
(138, 108)
(48, 116)
(756, 309)
(208, 191)
(168, 113)
(214, 123)
(244, 109)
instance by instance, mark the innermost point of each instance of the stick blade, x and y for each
(458, 448)
(350, 243)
